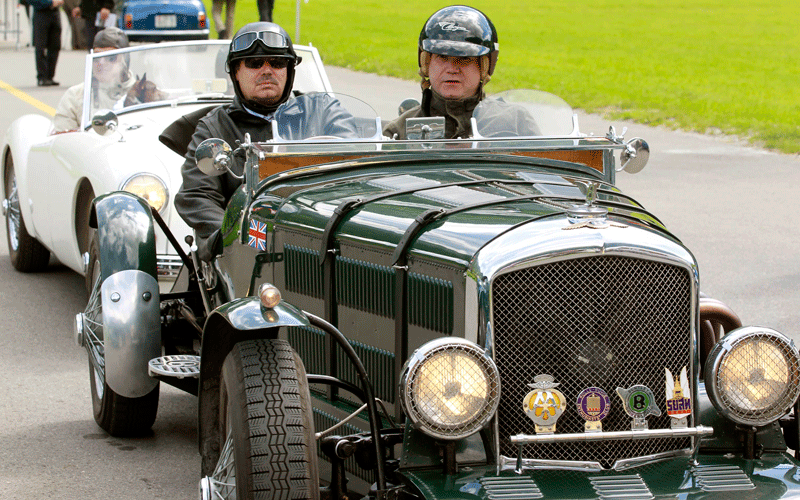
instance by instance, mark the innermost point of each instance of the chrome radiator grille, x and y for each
(604, 321)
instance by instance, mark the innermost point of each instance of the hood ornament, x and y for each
(588, 214)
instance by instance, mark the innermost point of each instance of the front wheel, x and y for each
(116, 414)
(266, 427)
(27, 254)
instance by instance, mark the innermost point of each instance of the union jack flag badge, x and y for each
(258, 235)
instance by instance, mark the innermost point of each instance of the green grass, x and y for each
(712, 66)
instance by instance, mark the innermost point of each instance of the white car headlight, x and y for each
(753, 375)
(450, 388)
(149, 187)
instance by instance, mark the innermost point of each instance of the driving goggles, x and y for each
(269, 38)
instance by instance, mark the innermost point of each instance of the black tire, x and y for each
(27, 254)
(266, 408)
(117, 415)
(93, 269)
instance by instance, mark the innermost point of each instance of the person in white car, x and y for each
(111, 81)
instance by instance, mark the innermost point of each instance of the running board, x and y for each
(180, 370)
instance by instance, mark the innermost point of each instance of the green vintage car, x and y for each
(483, 318)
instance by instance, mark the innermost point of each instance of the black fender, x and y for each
(237, 321)
(125, 233)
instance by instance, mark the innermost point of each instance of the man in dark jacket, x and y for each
(46, 39)
(94, 13)
(457, 54)
(261, 62)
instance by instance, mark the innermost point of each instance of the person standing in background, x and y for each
(77, 25)
(226, 30)
(265, 10)
(46, 39)
(94, 14)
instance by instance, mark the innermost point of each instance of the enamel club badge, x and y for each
(679, 398)
(639, 403)
(544, 404)
(593, 406)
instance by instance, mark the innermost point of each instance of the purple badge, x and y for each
(593, 406)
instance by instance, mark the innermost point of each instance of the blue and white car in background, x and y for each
(161, 20)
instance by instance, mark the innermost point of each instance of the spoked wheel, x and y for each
(269, 450)
(27, 254)
(117, 415)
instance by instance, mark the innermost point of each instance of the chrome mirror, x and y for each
(635, 155)
(105, 122)
(213, 157)
(406, 105)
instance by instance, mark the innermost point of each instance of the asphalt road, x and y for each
(732, 205)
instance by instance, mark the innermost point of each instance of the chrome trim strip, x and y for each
(506, 463)
(700, 430)
(629, 463)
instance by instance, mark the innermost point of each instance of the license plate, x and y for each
(166, 21)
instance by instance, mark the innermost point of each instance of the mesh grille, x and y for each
(600, 321)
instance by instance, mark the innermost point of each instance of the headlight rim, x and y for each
(722, 350)
(425, 353)
(124, 184)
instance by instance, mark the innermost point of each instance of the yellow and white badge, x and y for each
(544, 404)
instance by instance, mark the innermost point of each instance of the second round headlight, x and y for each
(450, 388)
(149, 187)
(753, 375)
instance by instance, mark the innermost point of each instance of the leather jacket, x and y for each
(495, 117)
(201, 200)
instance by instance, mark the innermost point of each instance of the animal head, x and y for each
(144, 90)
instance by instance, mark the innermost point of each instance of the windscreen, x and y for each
(523, 113)
(124, 78)
(149, 75)
(325, 116)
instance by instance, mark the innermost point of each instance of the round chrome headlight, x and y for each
(149, 187)
(753, 375)
(449, 388)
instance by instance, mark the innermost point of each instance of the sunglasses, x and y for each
(269, 38)
(258, 62)
(107, 59)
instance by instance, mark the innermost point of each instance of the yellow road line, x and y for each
(25, 97)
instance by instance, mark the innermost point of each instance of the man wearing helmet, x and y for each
(457, 55)
(261, 62)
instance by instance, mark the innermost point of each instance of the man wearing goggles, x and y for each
(261, 62)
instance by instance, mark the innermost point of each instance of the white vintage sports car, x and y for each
(50, 179)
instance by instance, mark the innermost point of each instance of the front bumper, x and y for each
(773, 476)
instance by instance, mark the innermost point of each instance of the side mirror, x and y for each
(105, 122)
(635, 155)
(406, 105)
(213, 157)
